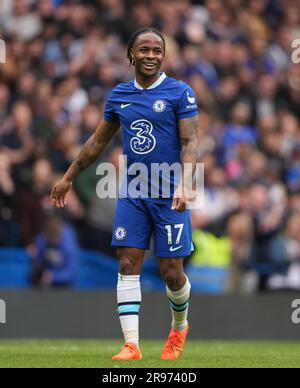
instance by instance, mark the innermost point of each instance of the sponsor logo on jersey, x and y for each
(144, 142)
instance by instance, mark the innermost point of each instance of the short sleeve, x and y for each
(187, 103)
(109, 109)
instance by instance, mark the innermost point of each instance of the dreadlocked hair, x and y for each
(136, 34)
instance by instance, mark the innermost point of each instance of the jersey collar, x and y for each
(154, 85)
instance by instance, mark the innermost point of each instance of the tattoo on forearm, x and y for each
(188, 129)
(87, 156)
(89, 153)
(92, 149)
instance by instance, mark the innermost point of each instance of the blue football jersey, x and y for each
(149, 121)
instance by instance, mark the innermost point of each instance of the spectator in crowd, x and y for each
(219, 201)
(238, 131)
(240, 231)
(286, 255)
(268, 218)
(55, 255)
(22, 22)
(4, 101)
(293, 169)
(17, 141)
(7, 201)
(33, 201)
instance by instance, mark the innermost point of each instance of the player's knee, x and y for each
(128, 265)
(172, 278)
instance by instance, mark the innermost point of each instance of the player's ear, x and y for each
(131, 57)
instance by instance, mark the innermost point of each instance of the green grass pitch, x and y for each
(197, 354)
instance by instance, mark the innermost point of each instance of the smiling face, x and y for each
(148, 54)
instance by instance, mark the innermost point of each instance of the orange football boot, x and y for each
(174, 345)
(129, 352)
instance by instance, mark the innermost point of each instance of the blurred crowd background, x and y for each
(62, 59)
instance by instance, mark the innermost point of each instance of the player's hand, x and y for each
(59, 193)
(182, 197)
(179, 204)
(179, 201)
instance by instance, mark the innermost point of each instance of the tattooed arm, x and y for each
(91, 150)
(188, 129)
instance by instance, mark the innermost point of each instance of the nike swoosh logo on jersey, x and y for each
(175, 249)
(124, 105)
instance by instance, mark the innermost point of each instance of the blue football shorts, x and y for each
(137, 219)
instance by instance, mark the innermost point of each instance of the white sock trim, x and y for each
(180, 295)
(179, 302)
(129, 298)
(129, 278)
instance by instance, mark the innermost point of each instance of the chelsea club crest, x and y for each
(120, 233)
(159, 106)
